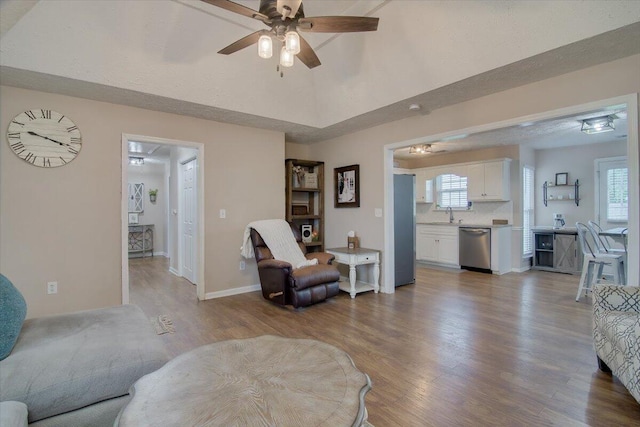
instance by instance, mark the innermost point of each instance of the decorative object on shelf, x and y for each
(44, 138)
(353, 242)
(152, 195)
(133, 218)
(347, 186)
(598, 124)
(299, 210)
(298, 176)
(315, 236)
(311, 180)
(562, 178)
(307, 233)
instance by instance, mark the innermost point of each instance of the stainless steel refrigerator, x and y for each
(404, 228)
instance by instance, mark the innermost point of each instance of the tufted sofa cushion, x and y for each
(616, 332)
(13, 310)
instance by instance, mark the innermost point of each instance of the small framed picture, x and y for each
(133, 218)
(347, 186)
(562, 178)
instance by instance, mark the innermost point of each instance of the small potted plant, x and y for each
(152, 195)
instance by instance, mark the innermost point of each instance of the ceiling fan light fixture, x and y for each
(598, 125)
(292, 42)
(286, 57)
(265, 47)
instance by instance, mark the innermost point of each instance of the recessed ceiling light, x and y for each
(415, 107)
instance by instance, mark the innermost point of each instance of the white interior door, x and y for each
(189, 220)
(613, 192)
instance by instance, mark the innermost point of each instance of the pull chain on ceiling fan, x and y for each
(286, 18)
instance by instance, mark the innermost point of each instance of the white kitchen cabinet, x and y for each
(424, 187)
(489, 181)
(437, 244)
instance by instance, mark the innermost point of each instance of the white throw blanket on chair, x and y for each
(278, 236)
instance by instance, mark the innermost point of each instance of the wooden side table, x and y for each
(262, 381)
(354, 258)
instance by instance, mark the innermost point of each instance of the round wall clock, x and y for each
(44, 138)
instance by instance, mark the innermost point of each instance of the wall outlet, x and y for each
(52, 288)
(223, 213)
(242, 265)
(377, 212)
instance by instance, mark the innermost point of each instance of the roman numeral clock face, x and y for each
(44, 138)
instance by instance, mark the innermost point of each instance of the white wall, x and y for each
(152, 175)
(581, 167)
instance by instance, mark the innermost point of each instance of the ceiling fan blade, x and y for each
(307, 55)
(238, 8)
(242, 43)
(337, 24)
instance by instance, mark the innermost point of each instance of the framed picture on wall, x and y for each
(347, 186)
(562, 178)
(133, 218)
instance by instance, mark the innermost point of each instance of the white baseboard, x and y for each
(174, 272)
(164, 254)
(521, 269)
(233, 291)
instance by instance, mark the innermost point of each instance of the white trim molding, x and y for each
(232, 291)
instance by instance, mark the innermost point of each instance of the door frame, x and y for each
(200, 285)
(633, 154)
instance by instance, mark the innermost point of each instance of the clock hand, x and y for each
(46, 137)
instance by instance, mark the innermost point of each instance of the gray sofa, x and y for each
(616, 333)
(76, 369)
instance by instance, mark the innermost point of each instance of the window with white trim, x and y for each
(617, 194)
(528, 210)
(452, 191)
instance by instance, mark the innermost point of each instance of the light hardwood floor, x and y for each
(455, 349)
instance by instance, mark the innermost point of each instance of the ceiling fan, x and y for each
(286, 18)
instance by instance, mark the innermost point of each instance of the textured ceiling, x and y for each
(553, 133)
(161, 55)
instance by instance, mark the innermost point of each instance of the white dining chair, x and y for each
(594, 261)
(603, 243)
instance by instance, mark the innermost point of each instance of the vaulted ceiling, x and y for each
(161, 55)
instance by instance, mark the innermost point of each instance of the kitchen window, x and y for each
(452, 191)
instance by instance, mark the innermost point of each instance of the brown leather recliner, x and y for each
(300, 287)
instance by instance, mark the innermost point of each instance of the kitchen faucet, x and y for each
(450, 210)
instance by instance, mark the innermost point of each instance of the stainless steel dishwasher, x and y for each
(475, 248)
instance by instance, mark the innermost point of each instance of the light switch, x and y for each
(378, 212)
(223, 213)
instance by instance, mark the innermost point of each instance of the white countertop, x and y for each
(456, 224)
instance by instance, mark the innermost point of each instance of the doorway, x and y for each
(184, 205)
(630, 102)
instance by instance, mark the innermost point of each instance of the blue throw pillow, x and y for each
(13, 310)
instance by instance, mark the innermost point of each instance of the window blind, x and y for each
(617, 194)
(528, 188)
(452, 191)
